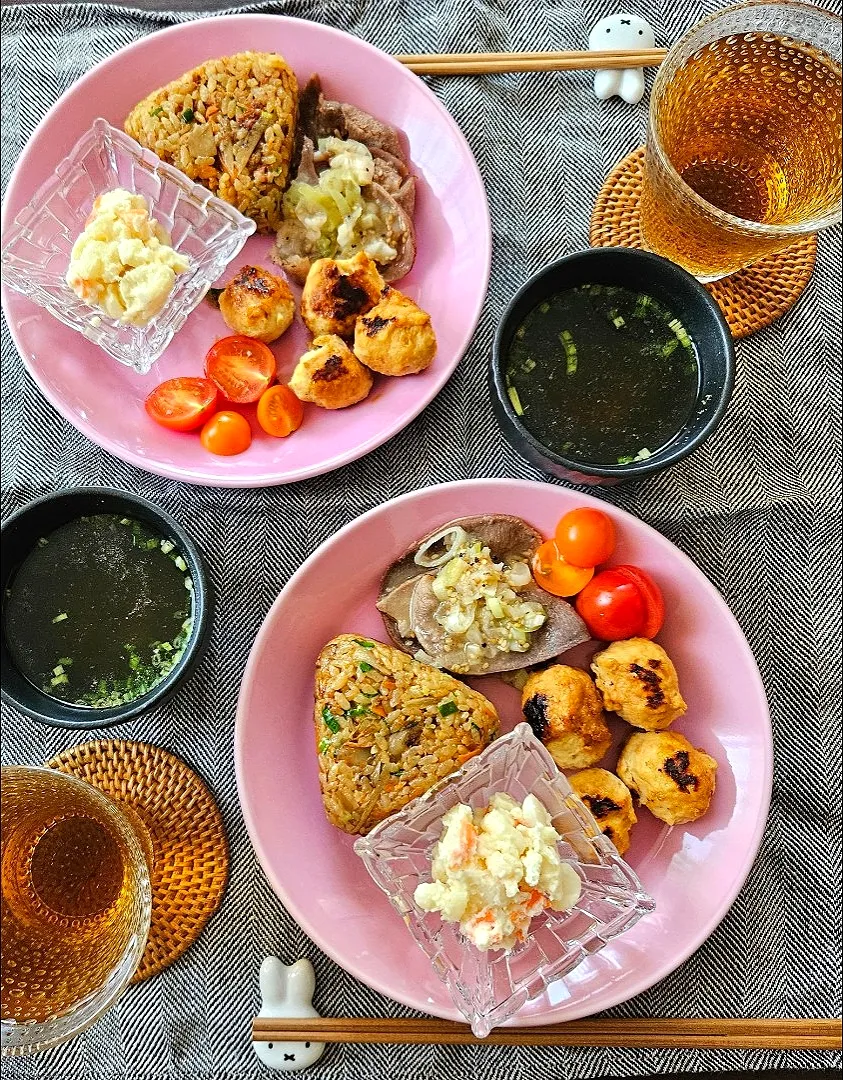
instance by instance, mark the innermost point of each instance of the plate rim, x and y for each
(172, 470)
(577, 1010)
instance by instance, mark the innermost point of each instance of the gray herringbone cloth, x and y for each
(756, 508)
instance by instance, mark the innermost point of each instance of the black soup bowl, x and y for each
(21, 533)
(677, 291)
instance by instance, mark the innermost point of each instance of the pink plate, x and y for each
(105, 401)
(694, 871)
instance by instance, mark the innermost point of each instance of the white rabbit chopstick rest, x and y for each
(622, 31)
(287, 992)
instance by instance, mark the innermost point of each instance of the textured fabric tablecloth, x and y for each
(757, 509)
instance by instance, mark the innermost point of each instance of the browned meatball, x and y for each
(563, 708)
(330, 375)
(257, 303)
(337, 292)
(639, 682)
(672, 779)
(609, 801)
(395, 337)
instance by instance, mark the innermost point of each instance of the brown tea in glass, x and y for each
(75, 903)
(744, 144)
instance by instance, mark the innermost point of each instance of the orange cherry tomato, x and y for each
(280, 412)
(557, 576)
(182, 404)
(226, 433)
(241, 367)
(585, 537)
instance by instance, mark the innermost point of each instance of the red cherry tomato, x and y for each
(585, 537)
(555, 575)
(182, 404)
(620, 603)
(226, 433)
(612, 607)
(653, 599)
(241, 367)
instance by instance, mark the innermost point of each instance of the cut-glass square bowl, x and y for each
(36, 250)
(489, 987)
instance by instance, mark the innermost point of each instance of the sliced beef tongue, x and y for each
(366, 129)
(307, 166)
(320, 118)
(393, 175)
(394, 187)
(310, 100)
(402, 232)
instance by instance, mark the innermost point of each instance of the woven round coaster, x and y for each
(189, 848)
(751, 298)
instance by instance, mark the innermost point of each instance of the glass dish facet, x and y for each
(488, 988)
(36, 251)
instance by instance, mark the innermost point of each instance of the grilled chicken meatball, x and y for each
(563, 708)
(638, 681)
(609, 801)
(395, 337)
(257, 303)
(671, 778)
(337, 291)
(330, 375)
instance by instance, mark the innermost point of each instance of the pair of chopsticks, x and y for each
(497, 63)
(630, 1034)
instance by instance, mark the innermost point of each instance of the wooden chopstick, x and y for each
(820, 1034)
(491, 63)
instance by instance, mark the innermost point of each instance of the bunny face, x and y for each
(289, 1057)
(622, 31)
(287, 992)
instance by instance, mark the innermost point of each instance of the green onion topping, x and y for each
(512, 394)
(330, 721)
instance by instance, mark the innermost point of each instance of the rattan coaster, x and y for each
(190, 852)
(751, 298)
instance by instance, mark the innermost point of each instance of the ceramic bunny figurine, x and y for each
(287, 991)
(622, 31)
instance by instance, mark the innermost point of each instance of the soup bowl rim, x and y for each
(649, 266)
(23, 695)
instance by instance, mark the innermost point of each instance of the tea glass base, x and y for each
(20, 1040)
(751, 298)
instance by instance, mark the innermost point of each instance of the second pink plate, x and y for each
(694, 871)
(450, 277)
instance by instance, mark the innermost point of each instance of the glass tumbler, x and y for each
(76, 906)
(743, 149)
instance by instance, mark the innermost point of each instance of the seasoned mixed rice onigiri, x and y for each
(388, 728)
(230, 125)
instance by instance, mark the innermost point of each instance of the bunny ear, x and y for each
(301, 982)
(273, 981)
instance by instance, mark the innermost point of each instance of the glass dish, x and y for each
(36, 250)
(489, 988)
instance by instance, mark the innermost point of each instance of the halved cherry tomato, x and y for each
(182, 404)
(585, 536)
(280, 412)
(653, 599)
(241, 367)
(555, 575)
(226, 433)
(612, 607)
